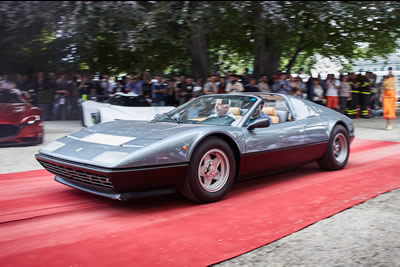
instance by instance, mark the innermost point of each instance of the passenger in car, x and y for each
(258, 114)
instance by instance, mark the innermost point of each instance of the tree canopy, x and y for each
(190, 37)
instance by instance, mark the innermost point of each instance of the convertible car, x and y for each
(120, 106)
(201, 147)
(20, 122)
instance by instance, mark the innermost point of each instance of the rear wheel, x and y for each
(338, 150)
(211, 171)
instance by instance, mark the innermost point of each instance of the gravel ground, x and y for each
(365, 235)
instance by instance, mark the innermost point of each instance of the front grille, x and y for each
(78, 175)
(7, 130)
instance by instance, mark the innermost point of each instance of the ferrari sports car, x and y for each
(201, 147)
(20, 122)
(120, 106)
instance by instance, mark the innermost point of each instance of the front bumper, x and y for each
(115, 195)
(118, 184)
(22, 134)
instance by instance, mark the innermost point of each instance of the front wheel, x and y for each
(338, 151)
(211, 171)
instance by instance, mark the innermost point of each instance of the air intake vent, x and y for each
(7, 131)
(78, 175)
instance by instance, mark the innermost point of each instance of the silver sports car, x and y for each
(200, 148)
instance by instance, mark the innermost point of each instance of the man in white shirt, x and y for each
(5, 83)
(263, 84)
(234, 85)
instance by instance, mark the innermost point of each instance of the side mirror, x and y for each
(260, 123)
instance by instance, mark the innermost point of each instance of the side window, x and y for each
(254, 116)
(277, 110)
(301, 109)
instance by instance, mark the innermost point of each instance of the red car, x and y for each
(20, 122)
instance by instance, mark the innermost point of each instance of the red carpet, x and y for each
(43, 223)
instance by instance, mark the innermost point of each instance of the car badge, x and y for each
(79, 149)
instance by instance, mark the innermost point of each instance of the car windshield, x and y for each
(221, 110)
(7, 96)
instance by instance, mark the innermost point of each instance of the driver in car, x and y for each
(221, 109)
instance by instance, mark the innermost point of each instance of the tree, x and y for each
(339, 27)
(189, 36)
(283, 31)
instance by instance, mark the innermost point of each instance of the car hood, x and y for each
(141, 129)
(12, 113)
(124, 144)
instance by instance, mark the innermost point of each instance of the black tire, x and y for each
(211, 172)
(337, 154)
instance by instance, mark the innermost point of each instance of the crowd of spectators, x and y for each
(60, 96)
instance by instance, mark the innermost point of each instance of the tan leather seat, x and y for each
(236, 112)
(271, 112)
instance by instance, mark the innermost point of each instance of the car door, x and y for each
(274, 147)
(316, 136)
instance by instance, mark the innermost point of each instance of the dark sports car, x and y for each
(201, 147)
(20, 122)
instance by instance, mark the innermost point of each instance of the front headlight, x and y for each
(30, 119)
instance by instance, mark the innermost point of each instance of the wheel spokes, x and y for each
(202, 170)
(218, 176)
(217, 163)
(213, 170)
(339, 148)
(208, 181)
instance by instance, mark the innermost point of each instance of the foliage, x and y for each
(127, 36)
(338, 28)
